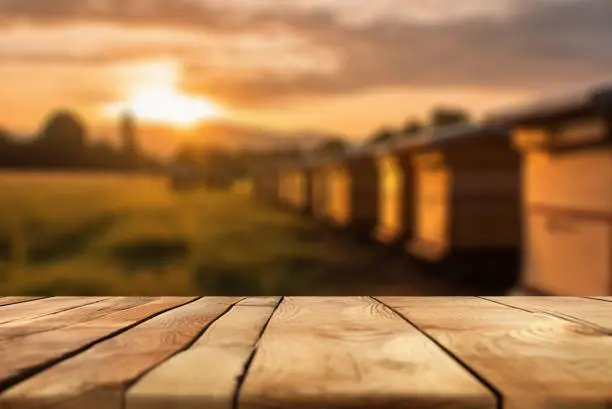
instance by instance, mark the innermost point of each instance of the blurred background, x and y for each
(129, 130)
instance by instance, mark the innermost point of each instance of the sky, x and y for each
(343, 66)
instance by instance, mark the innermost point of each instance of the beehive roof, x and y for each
(436, 136)
(569, 104)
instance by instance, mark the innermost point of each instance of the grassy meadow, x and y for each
(118, 235)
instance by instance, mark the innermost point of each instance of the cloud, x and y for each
(542, 45)
(516, 45)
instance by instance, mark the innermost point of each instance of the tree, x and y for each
(7, 148)
(131, 150)
(62, 141)
(382, 136)
(443, 116)
(332, 146)
(412, 128)
(189, 155)
(103, 155)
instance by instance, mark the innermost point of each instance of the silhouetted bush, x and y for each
(63, 143)
(443, 116)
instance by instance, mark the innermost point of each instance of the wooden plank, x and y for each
(533, 360)
(15, 300)
(20, 355)
(353, 352)
(97, 377)
(595, 313)
(44, 306)
(244, 322)
(206, 375)
(89, 312)
(259, 301)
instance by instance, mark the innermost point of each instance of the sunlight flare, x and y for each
(166, 105)
(156, 99)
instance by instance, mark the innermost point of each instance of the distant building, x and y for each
(129, 139)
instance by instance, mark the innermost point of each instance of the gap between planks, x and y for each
(187, 346)
(608, 299)
(589, 312)
(4, 301)
(26, 373)
(227, 345)
(97, 377)
(353, 352)
(249, 362)
(533, 360)
(498, 395)
(44, 307)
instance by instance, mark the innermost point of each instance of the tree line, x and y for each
(220, 168)
(438, 117)
(63, 143)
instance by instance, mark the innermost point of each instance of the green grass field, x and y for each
(120, 235)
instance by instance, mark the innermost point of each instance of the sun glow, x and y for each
(156, 100)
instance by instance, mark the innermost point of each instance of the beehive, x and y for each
(319, 190)
(395, 192)
(352, 191)
(266, 183)
(296, 186)
(290, 186)
(466, 200)
(567, 165)
(284, 186)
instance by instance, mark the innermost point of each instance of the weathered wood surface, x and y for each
(305, 352)
(335, 352)
(21, 354)
(96, 377)
(42, 307)
(583, 311)
(226, 346)
(533, 360)
(16, 300)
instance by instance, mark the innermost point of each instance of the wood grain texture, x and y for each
(44, 306)
(97, 377)
(206, 375)
(19, 354)
(534, 360)
(352, 352)
(15, 329)
(595, 313)
(16, 300)
(259, 301)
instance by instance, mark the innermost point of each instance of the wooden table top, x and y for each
(305, 352)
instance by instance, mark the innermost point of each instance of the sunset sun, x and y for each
(164, 104)
(152, 94)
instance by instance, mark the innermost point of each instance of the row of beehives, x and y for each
(533, 184)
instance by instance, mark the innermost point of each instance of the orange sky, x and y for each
(346, 66)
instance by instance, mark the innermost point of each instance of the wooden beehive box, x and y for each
(338, 206)
(395, 192)
(304, 177)
(319, 170)
(293, 187)
(319, 190)
(467, 195)
(353, 192)
(300, 193)
(567, 165)
(284, 185)
(266, 183)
